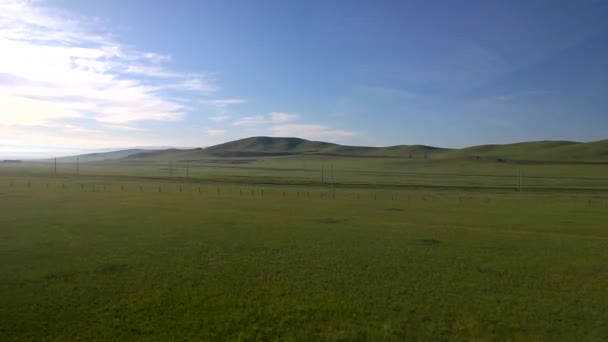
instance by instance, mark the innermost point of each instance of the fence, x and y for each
(412, 198)
(314, 173)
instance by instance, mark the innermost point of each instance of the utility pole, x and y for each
(55, 166)
(77, 166)
(520, 180)
(322, 172)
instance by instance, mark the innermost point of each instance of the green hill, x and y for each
(170, 153)
(556, 151)
(538, 150)
(101, 156)
(267, 146)
(259, 146)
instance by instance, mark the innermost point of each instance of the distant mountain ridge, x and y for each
(540, 150)
(100, 156)
(271, 146)
(291, 146)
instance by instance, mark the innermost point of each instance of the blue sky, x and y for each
(97, 74)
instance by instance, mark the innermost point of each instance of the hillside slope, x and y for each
(538, 150)
(557, 151)
(267, 146)
(101, 156)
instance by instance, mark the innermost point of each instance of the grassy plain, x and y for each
(256, 248)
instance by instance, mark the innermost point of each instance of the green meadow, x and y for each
(303, 247)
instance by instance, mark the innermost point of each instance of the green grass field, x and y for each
(258, 249)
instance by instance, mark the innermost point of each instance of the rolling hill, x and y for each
(558, 151)
(259, 146)
(538, 150)
(100, 156)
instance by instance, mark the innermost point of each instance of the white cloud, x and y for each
(123, 128)
(272, 118)
(310, 131)
(151, 71)
(63, 81)
(77, 129)
(251, 121)
(199, 85)
(215, 132)
(278, 124)
(56, 66)
(16, 110)
(277, 117)
(220, 103)
(220, 118)
(65, 136)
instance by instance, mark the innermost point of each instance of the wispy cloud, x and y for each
(56, 66)
(271, 118)
(215, 132)
(66, 136)
(279, 124)
(16, 110)
(220, 118)
(124, 128)
(252, 121)
(277, 117)
(220, 103)
(77, 129)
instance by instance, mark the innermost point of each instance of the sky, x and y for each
(92, 75)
